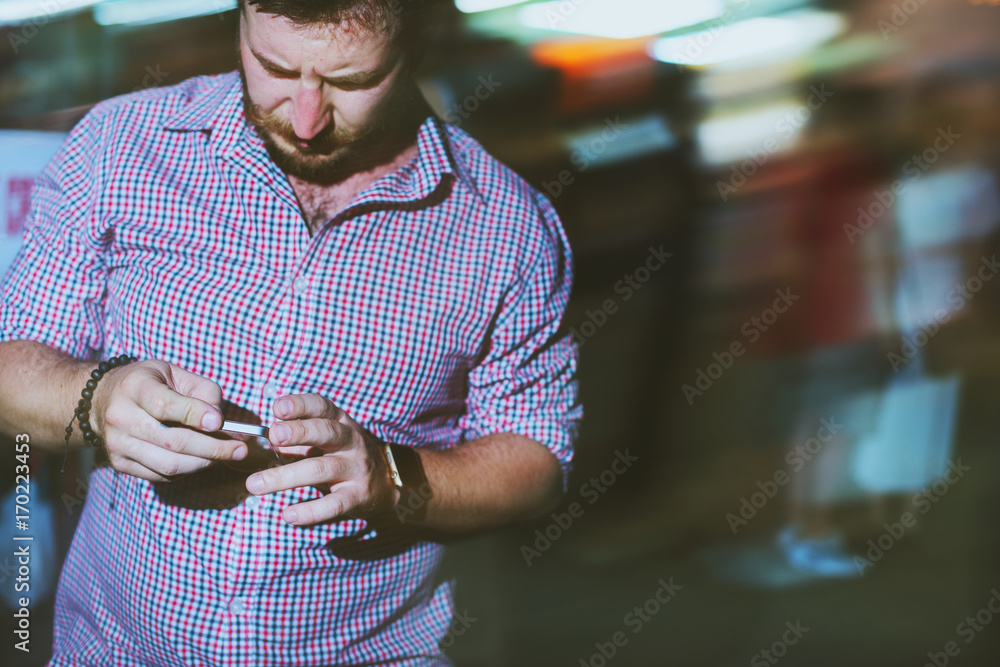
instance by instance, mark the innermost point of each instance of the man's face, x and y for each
(318, 95)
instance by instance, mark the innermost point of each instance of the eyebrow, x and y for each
(356, 78)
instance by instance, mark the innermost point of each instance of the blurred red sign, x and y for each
(18, 202)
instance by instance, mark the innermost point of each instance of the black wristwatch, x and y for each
(407, 473)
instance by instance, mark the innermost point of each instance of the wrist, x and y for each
(411, 490)
(98, 404)
(85, 404)
(95, 391)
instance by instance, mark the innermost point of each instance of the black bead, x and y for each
(69, 430)
(86, 393)
(82, 403)
(91, 383)
(103, 367)
(133, 359)
(85, 426)
(88, 435)
(96, 374)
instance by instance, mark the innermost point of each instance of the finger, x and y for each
(321, 432)
(334, 505)
(168, 464)
(294, 451)
(303, 406)
(195, 386)
(137, 458)
(167, 405)
(307, 472)
(183, 440)
(130, 467)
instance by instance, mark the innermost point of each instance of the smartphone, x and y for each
(241, 431)
(239, 428)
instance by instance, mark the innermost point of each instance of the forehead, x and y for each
(332, 43)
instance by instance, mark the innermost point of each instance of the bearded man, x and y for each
(299, 244)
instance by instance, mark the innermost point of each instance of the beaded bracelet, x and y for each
(82, 411)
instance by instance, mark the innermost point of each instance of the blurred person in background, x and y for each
(830, 355)
(916, 235)
(947, 205)
(846, 278)
(300, 243)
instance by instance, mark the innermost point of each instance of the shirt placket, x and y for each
(242, 584)
(253, 531)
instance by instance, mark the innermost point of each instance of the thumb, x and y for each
(201, 388)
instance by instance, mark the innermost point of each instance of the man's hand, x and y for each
(342, 457)
(151, 415)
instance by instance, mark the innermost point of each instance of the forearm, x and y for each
(484, 483)
(39, 390)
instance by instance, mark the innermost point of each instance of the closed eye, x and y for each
(350, 85)
(273, 69)
(356, 81)
(281, 73)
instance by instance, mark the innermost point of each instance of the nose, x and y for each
(308, 114)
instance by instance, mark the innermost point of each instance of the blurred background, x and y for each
(784, 216)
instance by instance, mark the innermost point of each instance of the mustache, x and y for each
(328, 139)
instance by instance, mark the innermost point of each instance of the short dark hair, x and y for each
(367, 14)
(417, 19)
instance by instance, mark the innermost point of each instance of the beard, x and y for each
(335, 152)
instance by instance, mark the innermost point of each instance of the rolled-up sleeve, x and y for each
(527, 381)
(54, 291)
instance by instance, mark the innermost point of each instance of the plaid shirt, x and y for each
(429, 310)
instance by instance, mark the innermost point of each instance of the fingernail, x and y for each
(255, 483)
(210, 421)
(281, 433)
(282, 406)
(240, 453)
(291, 516)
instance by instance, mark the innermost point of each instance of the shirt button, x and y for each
(253, 502)
(236, 607)
(301, 285)
(270, 390)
